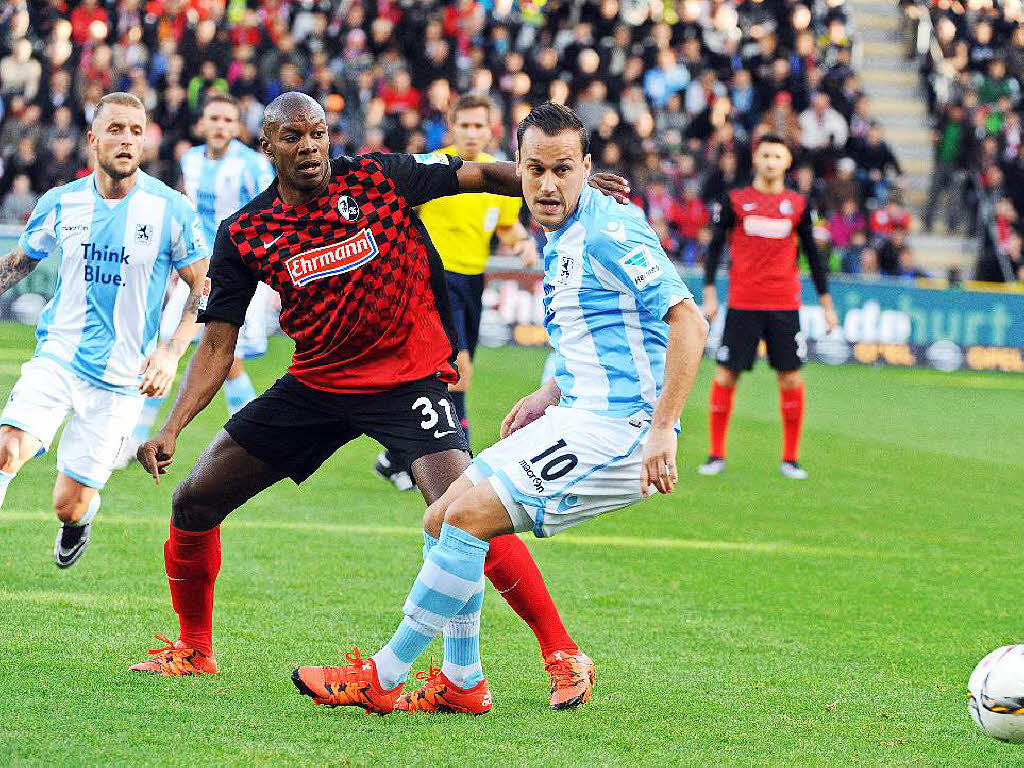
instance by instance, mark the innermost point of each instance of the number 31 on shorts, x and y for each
(431, 418)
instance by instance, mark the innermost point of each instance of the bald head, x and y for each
(291, 107)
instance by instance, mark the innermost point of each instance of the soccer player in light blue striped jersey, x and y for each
(219, 177)
(599, 436)
(118, 233)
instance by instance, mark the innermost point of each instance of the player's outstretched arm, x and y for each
(687, 334)
(723, 220)
(531, 408)
(14, 267)
(205, 375)
(819, 269)
(159, 369)
(500, 178)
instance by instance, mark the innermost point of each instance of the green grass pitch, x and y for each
(746, 619)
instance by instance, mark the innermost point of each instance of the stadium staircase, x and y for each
(892, 84)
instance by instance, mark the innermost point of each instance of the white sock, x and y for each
(5, 480)
(90, 512)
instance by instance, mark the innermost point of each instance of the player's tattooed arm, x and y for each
(194, 276)
(14, 267)
(160, 368)
(687, 334)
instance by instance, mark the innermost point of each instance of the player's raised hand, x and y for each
(660, 461)
(709, 302)
(156, 454)
(158, 372)
(610, 184)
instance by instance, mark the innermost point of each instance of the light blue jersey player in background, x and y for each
(119, 234)
(220, 177)
(601, 435)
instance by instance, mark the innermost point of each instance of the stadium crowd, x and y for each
(973, 72)
(674, 93)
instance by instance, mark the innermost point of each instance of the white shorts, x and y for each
(566, 467)
(252, 336)
(101, 420)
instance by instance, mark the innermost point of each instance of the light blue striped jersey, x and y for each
(220, 187)
(116, 257)
(607, 288)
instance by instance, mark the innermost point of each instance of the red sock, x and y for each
(192, 560)
(721, 407)
(792, 402)
(512, 571)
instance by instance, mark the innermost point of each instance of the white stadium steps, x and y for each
(893, 87)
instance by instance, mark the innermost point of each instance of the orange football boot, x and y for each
(572, 678)
(352, 685)
(439, 694)
(176, 660)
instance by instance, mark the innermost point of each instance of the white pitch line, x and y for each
(639, 542)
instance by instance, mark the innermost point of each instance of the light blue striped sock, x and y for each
(450, 577)
(239, 393)
(428, 544)
(462, 644)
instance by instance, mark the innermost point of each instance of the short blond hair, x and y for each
(121, 98)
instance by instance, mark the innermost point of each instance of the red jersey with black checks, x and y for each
(763, 230)
(362, 287)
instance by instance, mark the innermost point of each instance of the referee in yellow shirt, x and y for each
(461, 228)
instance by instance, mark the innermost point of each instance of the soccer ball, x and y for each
(995, 694)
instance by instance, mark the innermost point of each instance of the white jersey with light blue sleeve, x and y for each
(220, 187)
(116, 258)
(607, 288)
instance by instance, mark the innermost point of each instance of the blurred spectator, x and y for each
(20, 73)
(694, 218)
(19, 201)
(89, 20)
(847, 230)
(822, 130)
(951, 142)
(892, 216)
(843, 186)
(875, 161)
(782, 120)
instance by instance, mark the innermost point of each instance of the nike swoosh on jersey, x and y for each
(267, 245)
(442, 434)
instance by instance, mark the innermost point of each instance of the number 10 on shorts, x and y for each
(552, 463)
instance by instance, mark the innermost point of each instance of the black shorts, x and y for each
(297, 428)
(744, 329)
(465, 294)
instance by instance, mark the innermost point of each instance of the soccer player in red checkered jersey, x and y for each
(363, 297)
(763, 224)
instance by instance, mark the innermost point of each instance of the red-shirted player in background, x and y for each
(763, 223)
(363, 297)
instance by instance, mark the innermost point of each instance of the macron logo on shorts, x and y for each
(333, 259)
